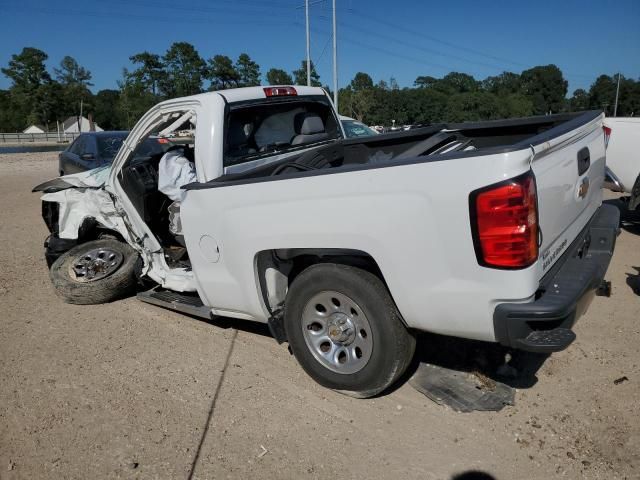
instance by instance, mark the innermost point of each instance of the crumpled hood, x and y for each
(95, 178)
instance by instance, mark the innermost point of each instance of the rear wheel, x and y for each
(94, 272)
(345, 330)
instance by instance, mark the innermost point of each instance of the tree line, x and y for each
(37, 96)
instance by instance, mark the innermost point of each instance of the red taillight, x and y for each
(279, 91)
(607, 135)
(506, 223)
(163, 140)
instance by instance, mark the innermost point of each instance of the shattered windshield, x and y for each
(109, 146)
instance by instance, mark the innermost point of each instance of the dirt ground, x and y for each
(129, 390)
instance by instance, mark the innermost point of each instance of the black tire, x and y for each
(119, 283)
(393, 345)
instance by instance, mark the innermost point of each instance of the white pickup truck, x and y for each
(492, 231)
(623, 158)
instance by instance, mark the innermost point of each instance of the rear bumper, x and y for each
(565, 292)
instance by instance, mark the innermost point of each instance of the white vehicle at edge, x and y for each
(354, 128)
(492, 231)
(623, 157)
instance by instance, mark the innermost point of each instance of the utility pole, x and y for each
(335, 59)
(615, 108)
(80, 119)
(306, 11)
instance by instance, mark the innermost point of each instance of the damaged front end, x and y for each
(82, 207)
(54, 246)
(77, 207)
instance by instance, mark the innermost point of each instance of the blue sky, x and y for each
(401, 39)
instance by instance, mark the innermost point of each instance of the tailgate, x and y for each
(569, 170)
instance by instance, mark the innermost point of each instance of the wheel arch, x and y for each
(276, 269)
(92, 229)
(89, 229)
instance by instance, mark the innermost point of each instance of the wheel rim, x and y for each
(337, 332)
(95, 264)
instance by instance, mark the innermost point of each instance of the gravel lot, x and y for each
(128, 390)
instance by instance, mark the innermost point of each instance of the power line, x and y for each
(384, 51)
(419, 47)
(450, 45)
(269, 10)
(391, 53)
(432, 38)
(136, 17)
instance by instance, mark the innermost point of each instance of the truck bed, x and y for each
(429, 144)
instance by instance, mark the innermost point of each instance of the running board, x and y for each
(189, 303)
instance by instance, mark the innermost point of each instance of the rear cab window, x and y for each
(261, 128)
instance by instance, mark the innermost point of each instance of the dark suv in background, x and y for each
(96, 149)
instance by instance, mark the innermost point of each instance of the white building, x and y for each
(77, 124)
(34, 129)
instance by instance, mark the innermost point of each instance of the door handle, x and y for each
(584, 160)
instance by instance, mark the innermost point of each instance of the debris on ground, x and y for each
(461, 391)
(618, 381)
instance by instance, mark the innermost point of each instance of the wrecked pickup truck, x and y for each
(347, 248)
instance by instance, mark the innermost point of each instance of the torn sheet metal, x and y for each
(461, 391)
(87, 200)
(90, 179)
(78, 204)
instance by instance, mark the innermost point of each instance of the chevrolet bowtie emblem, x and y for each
(584, 187)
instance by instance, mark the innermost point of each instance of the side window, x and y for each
(90, 146)
(77, 146)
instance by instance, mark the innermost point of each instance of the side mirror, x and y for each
(87, 156)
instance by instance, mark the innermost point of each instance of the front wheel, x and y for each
(95, 272)
(345, 330)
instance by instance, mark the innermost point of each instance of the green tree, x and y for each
(425, 81)
(300, 75)
(184, 71)
(456, 82)
(361, 81)
(72, 88)
(357, 99)
(27, 70)
(472, 106)
(71, 73)
(31, 91)
(424, 105)
(276, 76)
(9, 121)
(105, 109)
(514, 105)
(49, 104)
(629, 98)
(134, 100)
(248, 71)
(503, 84)
(579, 101)
(222, 73)
(602, 94)
(150, 72)
(546, 87)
